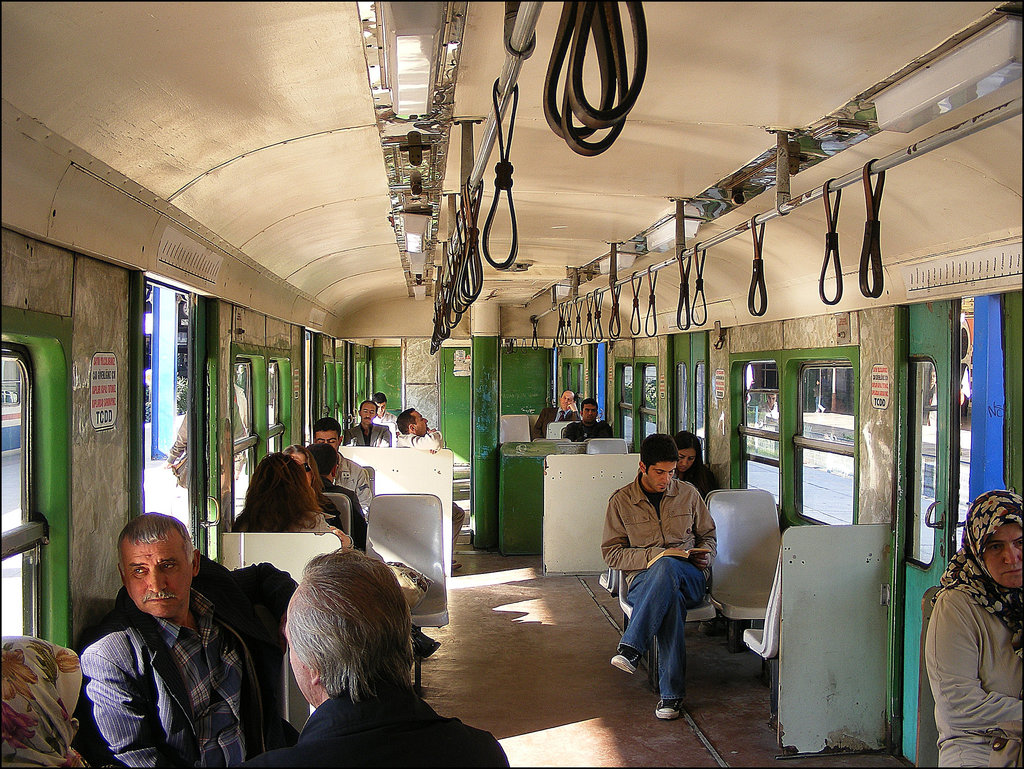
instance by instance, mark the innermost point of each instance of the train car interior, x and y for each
(791, 229)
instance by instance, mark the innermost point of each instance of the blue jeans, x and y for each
(660, 597)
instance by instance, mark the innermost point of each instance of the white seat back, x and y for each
(554, 430)
(514, 427)
(747, 529)
(408, 528)
(344, 505)
(765, 641)
(606, 446)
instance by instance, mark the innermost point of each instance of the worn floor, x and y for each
(527, 658)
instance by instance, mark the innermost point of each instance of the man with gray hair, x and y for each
(183, 671)
(348, 638)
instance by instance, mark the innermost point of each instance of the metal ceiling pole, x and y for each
(968, 127)
(522, 41)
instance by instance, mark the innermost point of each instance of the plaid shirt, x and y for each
(211, 669)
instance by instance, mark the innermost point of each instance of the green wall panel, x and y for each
(456, 392)
(485, 440)
(525, 380)
(386, 370)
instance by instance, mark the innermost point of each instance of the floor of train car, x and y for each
(527, 658)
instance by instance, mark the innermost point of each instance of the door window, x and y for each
(760, 427)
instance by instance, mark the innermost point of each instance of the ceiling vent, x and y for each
(178, 250)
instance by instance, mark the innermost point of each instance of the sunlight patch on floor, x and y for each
(533, 610)
(566, 745)
(492, 578)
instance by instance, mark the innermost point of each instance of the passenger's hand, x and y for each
(346, 540)
(700, 560)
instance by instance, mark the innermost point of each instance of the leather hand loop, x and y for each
(615, 322)
(503, 182)
(652, 311)
(872, 280)
(598, 300)
(757, 288)
(831, 246)
(636, 282)
(588, 329)
(700, 256)
(683, 306)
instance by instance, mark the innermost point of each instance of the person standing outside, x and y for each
(652, 514)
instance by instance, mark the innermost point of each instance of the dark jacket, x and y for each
(549, 414)
(396, 728)
(578, 431)
(136, 710)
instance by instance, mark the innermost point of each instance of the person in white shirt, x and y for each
(384, 417)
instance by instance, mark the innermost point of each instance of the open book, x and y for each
(678, 552)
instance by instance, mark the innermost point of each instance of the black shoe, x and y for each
(422, 644)
(668, 710)
(627, 659)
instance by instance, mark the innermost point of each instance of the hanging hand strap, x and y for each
(577, 337)
(588, 329)
(871, 279)
(831, 246)
(615, 322)
(652, 310)
(533, 343)
(683, 306)
(598, 300)
(636, 281)
(699, 258)
(502, 181)
(757, 287)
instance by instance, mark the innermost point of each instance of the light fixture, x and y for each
(986, 62)
(416, 227)
(663, 237)
(559, 291)
(623, 261)
(411, 35)
(419, 292)
(417, 262)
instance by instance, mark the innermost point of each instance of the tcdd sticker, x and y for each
(880, 386)
(103, 390)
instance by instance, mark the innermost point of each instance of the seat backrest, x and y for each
(554, 430)
(606, 446)
(344, 505)
(408, 528)
(769, 646)
(371, 478)
(927, 731)
(747, 530)
(514, 428)
(289, 551)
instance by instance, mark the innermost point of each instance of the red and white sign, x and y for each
(719, 383)
(880, 386)
(103, 390)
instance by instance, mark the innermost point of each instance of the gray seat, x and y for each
(764, 641)
(514, 427)
(610, 580)
(606, 446)
(703, 612)
(344, 506)
(747, 530)
(554, 430)
(408, 528)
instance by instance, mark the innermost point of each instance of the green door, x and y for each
(525, 380)
(456, 395)
(929, 511)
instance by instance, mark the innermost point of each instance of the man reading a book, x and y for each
(658, 532)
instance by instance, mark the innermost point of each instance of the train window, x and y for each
(760, 427)
(700, 390)
(275, 432)
(924, 417)
(824, 443)
(626, 401)
(682, 399)
(22, 538)
(166, 389)
(649, 404)
(245, 439)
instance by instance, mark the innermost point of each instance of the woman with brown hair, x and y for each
(280, 498)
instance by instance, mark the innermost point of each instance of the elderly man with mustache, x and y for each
(182, 671)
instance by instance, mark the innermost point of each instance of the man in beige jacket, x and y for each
(644, 519)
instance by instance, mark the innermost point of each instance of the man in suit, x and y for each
(348, 642)
(183, 672)
(366, 433)
(566, 412)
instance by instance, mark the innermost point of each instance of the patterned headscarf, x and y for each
(967, 570)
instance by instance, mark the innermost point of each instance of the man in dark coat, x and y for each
(348, 639)
(566, 412)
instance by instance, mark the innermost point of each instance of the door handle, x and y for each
(928, 517)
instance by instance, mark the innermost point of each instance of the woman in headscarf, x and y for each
(691, 467)
(973, 645)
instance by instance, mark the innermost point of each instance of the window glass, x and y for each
(626, 401)
(760, 427)
(682, 398)
(966, 376)
(649, 405)
(20, 571)
(923, 425)
(824, 446)
(244, 440)
(276, 431)
(700, 390)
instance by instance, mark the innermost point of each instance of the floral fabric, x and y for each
(967, 572)
(41, 683)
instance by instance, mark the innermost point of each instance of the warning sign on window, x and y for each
(103, 390)
(719, 383)
(880, 386)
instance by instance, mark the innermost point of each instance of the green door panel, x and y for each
(525, 381)
(386, 369)
(456, 390)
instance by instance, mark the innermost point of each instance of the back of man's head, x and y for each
(323, 424)
(404, 420)
(349, 621)
(658, 447)
(326, 457)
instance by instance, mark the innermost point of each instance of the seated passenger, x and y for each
(384, 417)
(348, 637)
(366, 433)
(973, 644)
(329, 463)
(589, 426)
(182, 671)
(653, 513)
(280, 498)
(304, 459)
(691, 467)
(42, 682)
(566, 412)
